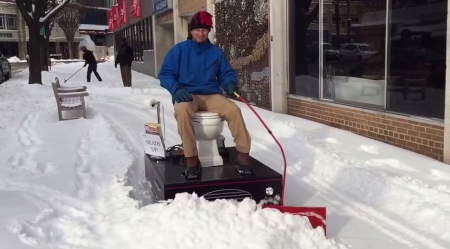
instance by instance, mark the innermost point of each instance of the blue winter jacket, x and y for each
(198, 68)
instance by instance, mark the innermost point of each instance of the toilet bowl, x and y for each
(208, 127)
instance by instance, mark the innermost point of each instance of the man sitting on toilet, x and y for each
(193, 72)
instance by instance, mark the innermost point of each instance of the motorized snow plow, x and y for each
(219, 180)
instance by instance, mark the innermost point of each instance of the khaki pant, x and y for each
(125, 71)
(185, 111)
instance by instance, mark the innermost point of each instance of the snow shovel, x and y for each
(315, 215)
(72, 75)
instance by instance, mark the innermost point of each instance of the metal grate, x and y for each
(235, 194)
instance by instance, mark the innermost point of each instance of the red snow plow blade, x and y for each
(316, 215)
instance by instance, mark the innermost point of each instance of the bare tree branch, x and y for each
(37, 13)
(69, 20)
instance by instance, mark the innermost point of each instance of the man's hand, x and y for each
(181, 95)
(230, 88)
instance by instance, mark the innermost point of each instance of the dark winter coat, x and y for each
(124, 56)
(89, 57)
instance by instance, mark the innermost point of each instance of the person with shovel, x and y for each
(89, 57)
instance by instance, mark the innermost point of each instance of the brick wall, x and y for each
(164, 17)
(419, 137)
(186, 6)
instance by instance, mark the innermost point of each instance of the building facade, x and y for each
(14, 32)
(138, 32)
(95, 23)
(378, 70)
(374, 68)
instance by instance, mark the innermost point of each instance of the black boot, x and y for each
(242, 165)
(194, 169)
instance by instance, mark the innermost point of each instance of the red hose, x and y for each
(276, 141)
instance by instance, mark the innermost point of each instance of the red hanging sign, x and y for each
(123, 11)
(119, 14)
(135, 11)
(110, 20)
(115, 11)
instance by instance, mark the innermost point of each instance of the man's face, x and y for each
(199, 35)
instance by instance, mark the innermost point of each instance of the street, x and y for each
(16, 67)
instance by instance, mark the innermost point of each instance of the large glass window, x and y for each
(138, 36)
(96, 17)
(417, 52)
(361, 61)
(305, 48)
(8, 22)
(354, 53)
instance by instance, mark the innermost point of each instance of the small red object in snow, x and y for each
(317, 215)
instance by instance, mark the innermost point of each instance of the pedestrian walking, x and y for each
(125, 58)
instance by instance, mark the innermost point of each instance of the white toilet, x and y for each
(208, 127)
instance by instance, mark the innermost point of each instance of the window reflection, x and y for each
(306, 48)
(138, 35)
(399, 67)
(356, 71)
(416, 81)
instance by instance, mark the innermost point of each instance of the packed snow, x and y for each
(15, 59)
(80, 183)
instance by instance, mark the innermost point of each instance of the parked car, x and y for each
(355, 52)
(5, 69)
(330, 53)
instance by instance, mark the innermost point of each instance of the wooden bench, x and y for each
(69, 98)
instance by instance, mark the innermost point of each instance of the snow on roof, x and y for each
(93, 27)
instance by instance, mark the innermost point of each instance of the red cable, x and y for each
(278, 143)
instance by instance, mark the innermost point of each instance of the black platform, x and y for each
(218, 182)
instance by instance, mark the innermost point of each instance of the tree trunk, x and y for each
(22, 36)
(35, 59)
(45, 47)
(70, 45)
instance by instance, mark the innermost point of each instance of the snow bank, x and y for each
(15, 59)
(65, 60)
(101, 213)
(192, 222)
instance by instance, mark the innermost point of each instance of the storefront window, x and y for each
(417, 57)
(398, 67)
(138, 36)
(305, 49)
(353, 53)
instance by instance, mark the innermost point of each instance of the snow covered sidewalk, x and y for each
(80, 183)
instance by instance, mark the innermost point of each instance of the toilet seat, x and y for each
(208, 127)
(206, 115)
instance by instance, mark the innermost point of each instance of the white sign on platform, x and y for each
(153, 145)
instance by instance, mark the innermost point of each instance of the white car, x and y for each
(355, 52)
